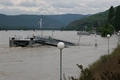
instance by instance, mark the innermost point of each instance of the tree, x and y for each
(117, 19)
(111, 16)
(107, 29)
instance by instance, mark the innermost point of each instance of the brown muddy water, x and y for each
(42, 63)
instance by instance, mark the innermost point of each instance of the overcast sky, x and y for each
(48, 7)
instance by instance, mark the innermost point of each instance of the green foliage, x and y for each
(111, 14)
(95, 20)
(117, 19)
(106, 29)
(114, 17)
(105, 68)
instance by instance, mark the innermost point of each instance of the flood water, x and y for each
(42, 63)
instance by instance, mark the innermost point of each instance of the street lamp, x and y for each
(108, 36)
(60, 45)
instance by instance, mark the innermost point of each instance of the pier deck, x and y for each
(30, 42)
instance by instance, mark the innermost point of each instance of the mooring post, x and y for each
(31, 42)
(79, 40)
(95, 40)
(11, 42)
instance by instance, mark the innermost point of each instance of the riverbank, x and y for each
(105, 68)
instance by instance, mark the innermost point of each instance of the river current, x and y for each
(42, 62)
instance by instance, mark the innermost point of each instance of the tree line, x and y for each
(113, 22)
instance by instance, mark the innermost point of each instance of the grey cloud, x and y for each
(15, 11)
(28, 4)
(57, 7)
(102, 3)
(94, 5)
(63, 4)
(6, 2)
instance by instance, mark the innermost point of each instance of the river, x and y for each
(42, 62)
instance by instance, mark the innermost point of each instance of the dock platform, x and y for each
(36, 41)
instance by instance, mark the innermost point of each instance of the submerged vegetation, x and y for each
(105, 68)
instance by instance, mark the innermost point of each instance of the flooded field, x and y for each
(42, 63)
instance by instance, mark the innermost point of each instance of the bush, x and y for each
(106, 68)
(107, 29)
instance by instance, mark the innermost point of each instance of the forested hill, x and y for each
(32, 21)
(94, 20)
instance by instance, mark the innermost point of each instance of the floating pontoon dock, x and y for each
(36, 41)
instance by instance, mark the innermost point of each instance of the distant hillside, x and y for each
(90, 21)
(67, 18)
(31, 21)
